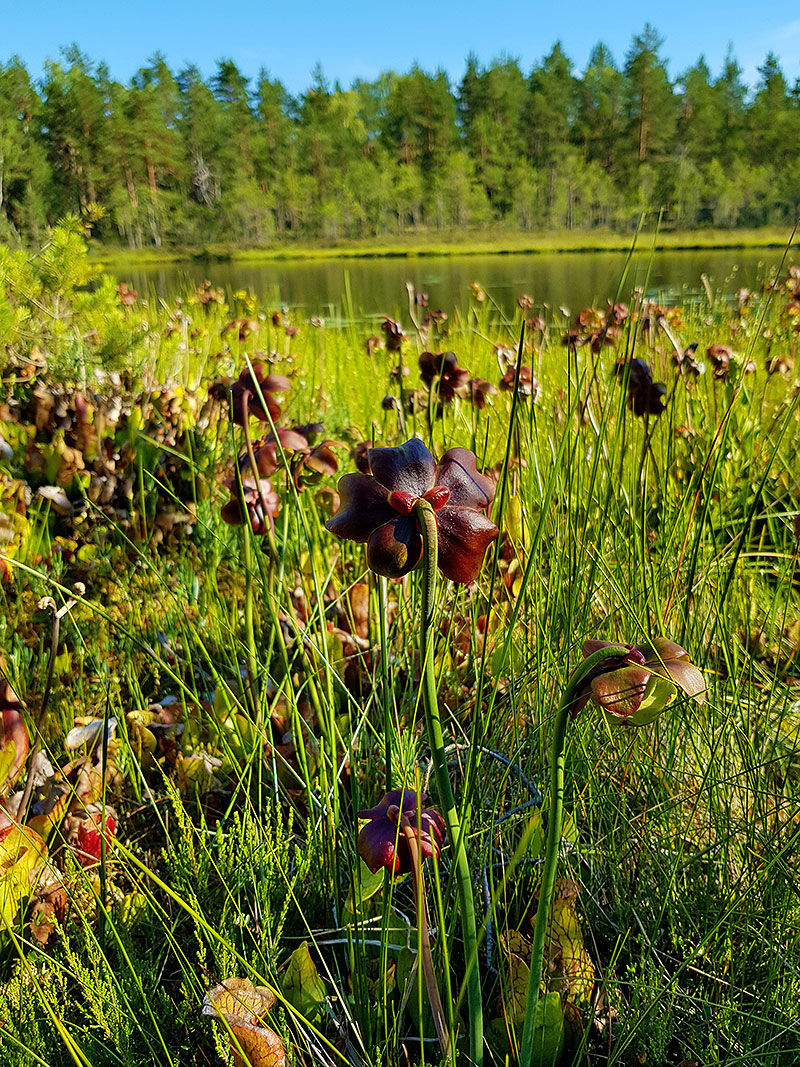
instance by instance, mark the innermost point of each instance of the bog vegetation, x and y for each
(174, 158)
(333, 659)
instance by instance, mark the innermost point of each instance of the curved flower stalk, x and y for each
(632, 684)
(379, 510)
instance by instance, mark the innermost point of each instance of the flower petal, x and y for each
(273, 407)
(590, 647)
(464, 536)
(661, 649)
(232, 512)
(409, 467)
(431, 832)
(393, 799)
(363, 507)
(458, 471)
(275, 383)
(248, 385)
(395, 548)
(381, 843)
(13, 735)
(620, 692)
(687, 678)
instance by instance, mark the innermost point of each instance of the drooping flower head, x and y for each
(686, 362)
(478, 389)
(98, 824)
(317, 463)
(443, 366)
(635, 689)
(528, 385)
(645, 397)
(382, 842)
(246, 390)
(378, 510)
(393, 332)
(258, 500)
(720, 356)
(267, 451)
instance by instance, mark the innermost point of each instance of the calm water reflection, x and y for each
(378, 286)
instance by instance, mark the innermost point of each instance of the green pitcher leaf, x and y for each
(302, 985)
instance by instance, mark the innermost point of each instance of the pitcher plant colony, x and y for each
(413, 690)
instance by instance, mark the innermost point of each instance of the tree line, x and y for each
(173, 158)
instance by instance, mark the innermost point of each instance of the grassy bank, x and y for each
(452, 244)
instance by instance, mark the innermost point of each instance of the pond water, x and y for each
(378, 286)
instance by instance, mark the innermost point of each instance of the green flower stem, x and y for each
(383, 600)
(249, 622)
(251, 456)
(249, 563)
(430, 539)
(555, 818)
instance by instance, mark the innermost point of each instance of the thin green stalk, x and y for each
(427, 521)
(249, 623)
(383, 596)
(22, 810)
(554, 824)
(249, 565)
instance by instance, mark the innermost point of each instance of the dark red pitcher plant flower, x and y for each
(256, 499)
(379, 510)
(633, 690)
(248, 390)
(382, 842)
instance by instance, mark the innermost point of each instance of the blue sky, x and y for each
(360, 39)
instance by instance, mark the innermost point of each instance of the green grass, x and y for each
(683, 836)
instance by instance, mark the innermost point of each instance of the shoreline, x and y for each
(484, 243)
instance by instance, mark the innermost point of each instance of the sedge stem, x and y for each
(555, 818)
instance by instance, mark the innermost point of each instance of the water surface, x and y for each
(378, 286)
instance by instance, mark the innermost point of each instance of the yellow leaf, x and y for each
(22, 852)
(570, 969)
